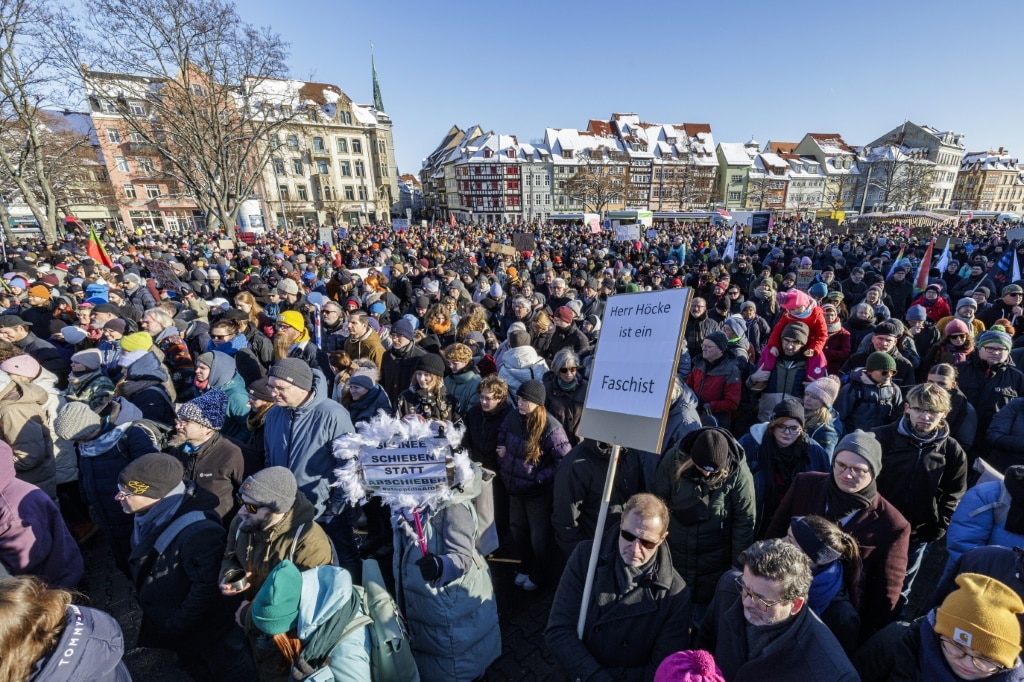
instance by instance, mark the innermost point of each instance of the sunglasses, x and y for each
(567, 370)
(630, 538)
(248, 506)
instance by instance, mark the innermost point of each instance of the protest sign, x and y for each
(503, 249)
(625, 233)
(400, 224)
(225, 244)
(522, 241)
(805, 277)
(760, 223)
(415, 465)
(163, 274)
(634, 365)
(1015, 233)
(325, 235)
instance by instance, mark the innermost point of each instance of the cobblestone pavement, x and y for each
(523, 616)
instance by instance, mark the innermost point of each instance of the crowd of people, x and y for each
(179, 401)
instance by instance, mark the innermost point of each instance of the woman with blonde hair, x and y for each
(427, 396)
(43, 636)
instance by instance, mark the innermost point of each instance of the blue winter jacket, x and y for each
(90, 648)
(325, 589)
(300, 439)
(979, 521)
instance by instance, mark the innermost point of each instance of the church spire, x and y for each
(378, 102)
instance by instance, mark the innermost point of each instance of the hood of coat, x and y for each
(30, 393)
(90, 648)
(148, 367)
(325, 590)
(521, 357)
(222, 369)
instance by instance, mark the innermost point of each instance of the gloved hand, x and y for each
(430, 567)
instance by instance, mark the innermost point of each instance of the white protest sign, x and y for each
(634, 365)
(400, 224)
(413, 465)
(626, 232)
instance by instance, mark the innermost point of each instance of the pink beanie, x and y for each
(689, 666)
(794, 298)
(21, 366)
(954, 326)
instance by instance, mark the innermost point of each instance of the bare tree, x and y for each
(195, 82)
(30, 149)
(594, 185)
(686, 185)
(901, 178)
(841, 190)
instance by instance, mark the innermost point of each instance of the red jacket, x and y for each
(837, 349)
(719, 387)
(817, 330)
(936, 311)
(880, 530)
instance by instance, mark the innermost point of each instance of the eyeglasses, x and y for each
(122, 495)
(788, 429)
(994, 349)
(567, 370)
(921, 410)
(857, 472)
(1014, 294)
(734, 293)
(630, 538)
(247, 506)
(981, 663)
(755, 599)
(958, 336)
(222, 337)
(885, 372)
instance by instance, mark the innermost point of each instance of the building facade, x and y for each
(989, 181)
(944, 149)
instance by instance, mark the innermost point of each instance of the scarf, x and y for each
(839, 504)
(835, 326)
(255, 420)
(201, 385)
(826, 582)
(103, 442)
(805, 314)
(231, 347)
(157, 514)
(568, 387)
(905, 429)
(317, 649)
(127, 359)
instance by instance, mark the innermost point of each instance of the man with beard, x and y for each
(700, 325)
(759, 620)
(274, 523)
(291, 340)
(362, 341)
(399, 362)
(334, 331)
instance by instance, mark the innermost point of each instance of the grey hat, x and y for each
(288, 286)
(295, 371)
(76, 421)
(404, 329)
(737, 324)
(917, 313)
(273, 487)
(967, 301)
(865, 445)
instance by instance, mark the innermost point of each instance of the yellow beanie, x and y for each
(295, 321)
(136, 341)
(982, 615)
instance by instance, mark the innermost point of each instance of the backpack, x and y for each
(390, 652)
(160, 433)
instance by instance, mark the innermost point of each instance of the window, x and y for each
(547, 180)
(383, 170)
(286, 110)
(362, 193)
(293, 142)
(303, 193)
(345, 117)
(343, 145)
(129, 191)
(197, 90)
(110, 106)
(360, 170)
(346, 169)
(121, 163)
(136, 108)
(321, 166)
(297, 166)
(282, 190)
(349, 193)
(136, 138)
(114, 135)
(318, 144)
(547, 198)
(275, 142)
(278, 166)
(145, 164)
(152, 191)
(357, 146)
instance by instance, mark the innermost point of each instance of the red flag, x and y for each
(95, 250)
(921, 280)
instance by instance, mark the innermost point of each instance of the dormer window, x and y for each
(488, 153)
(511, 153)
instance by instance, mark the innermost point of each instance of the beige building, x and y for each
(989, 181)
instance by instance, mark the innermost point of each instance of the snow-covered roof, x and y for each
(989, 161)
(735, 154)
(831, 143)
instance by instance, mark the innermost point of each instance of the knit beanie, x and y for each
(719, 339)
(794, 298)
(295, 371)
(260, 390)
(533, 391)
(879, 360)
(917, 313)
(117, 324)
(362, 381)
(208, 409)
(153, 475)
(431, 363)
(276, 606)
(737, 324)
(695, 665)
(136, 341)
(21, 366)
(825, 389)
(994, 335)
(76, 421)
(72, 334)
(819, 553)
(818, 290)
(982, 615)
(404, 329)
(710, 450)
(796, 331)
(865, 445)
(956, 326)
(39, 291)
(273, 488)
(967, 301)
(790, 408)
(518, 338)
(91, 358)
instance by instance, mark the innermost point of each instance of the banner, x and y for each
(415, 465)
(163, 274)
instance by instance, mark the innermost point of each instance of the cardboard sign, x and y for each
(162, 273)
(225, 244)
(805, 277)
(503, 249)
(326, 235)
(631, 380)
(405, 467)
(523, 242)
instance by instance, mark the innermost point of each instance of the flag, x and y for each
(730, 248)
(944, 258)
(95, 250)
(921, 279)
(970, 216)
(1015, 277)
(725, 214)
(896, 262)
(451, 219)
(1001, 274)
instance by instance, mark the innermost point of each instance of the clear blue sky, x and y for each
(775, 70)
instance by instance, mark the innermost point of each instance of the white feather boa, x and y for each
(349, 475)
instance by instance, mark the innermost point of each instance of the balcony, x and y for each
(143, 148)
